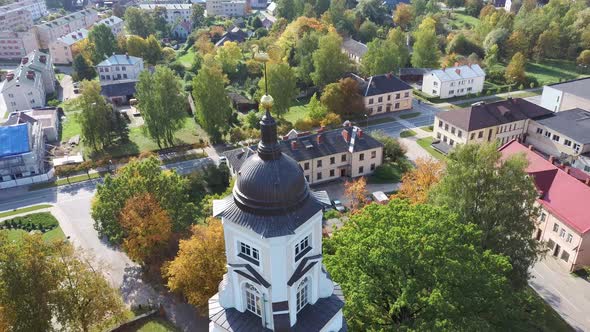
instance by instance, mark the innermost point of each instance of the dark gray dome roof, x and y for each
(270, 187)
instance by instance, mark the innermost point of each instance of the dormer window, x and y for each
(249, 253)
(302, 248)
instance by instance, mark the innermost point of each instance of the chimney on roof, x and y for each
(10, 76)
(30, 74)
(359, 133)
(319, 138)
(294, 144)
(74, 36)
(24, 60)
(346, 135)
(79, 33)
(43, 58)
(458, 71)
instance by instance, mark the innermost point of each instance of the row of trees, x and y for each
(439, 260)
(45, 284)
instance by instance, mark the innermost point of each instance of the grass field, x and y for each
(70, 127)
(188, 58)
(425, 143)
(23, 210)
(463, 21)
(42, 218)
(427, 128)
(551, 71)
(407, 133)
(409, 115)
(157, 325)
(297, 111)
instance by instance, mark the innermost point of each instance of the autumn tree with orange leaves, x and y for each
(356, 193)
(199, 266)
(147, 228)
(417, 182)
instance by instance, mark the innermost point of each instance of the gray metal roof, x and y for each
(573, 123)
(580, 87)
(380, 84)
(119, 59)
(354, 47)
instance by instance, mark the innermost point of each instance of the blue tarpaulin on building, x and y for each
(14, 139)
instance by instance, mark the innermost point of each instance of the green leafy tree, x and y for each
(160, 23)
(461, 45)
(212, 104)
(229, 56)
(426, 53)
(317, 111)
(304, 49)
(139, 22)
(328, 60)
(162, 104)
(103, 41)
(153, 50)
(197, 16)
(473, 7)
(282, 86)
(393, 150)
(340, 18)
(82, 69)
(286, 9)
(416, 268)
(372, 10)
(344, 98)
(135, 178)
(96, 117)
(385, 56)
(498, 198)
(515, 71)
(492, 56)
(367, 31)
(584, 58)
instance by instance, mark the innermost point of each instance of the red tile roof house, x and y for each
(564, 219)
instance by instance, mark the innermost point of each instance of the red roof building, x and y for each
(564, 221)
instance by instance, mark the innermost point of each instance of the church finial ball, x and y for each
(266, 102)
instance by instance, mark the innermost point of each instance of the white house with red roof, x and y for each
(564, 220)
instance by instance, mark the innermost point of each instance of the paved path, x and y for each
(567, 294)
(66, 89)
(483, 98)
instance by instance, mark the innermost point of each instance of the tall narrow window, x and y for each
(302, 294)
(253, 300)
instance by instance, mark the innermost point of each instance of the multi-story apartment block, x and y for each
(563, 223)
(19, 15)
(565, 135)
(502, 121)
(22, 151)
(384, 93)
(62, 49)
(115, 23)
(455, 81)
(27, 86)
(175, 12)
(226, 8)
(325, 155)
(567, 95)
(50, 31)
(46, 116)
(118, 68)
(15, 45)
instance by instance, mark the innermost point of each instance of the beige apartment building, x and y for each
(500, 121)
(563, 223)
(19, 15)
(384, 93)
(15, 45)
(50, 31)
(567, 95)
(63, 48)
(325, 155)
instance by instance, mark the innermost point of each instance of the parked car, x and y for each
(338, 206)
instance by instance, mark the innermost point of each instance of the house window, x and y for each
(576, 147)
(406, 94)
(569, 238)
(472, 136)
(124, 75)
(343, 157)
(435, 83)
(446, 127)
(362, 156)
(567, 142)
(370, 101)
(434, 92)
(302, 248)
(543, 216)
(373, 154)
(388, 97)
(307, 178)
(480, 135)
(547, 133)
(565, 256)
(361, 170)
(331, 173)
(437, 135)
(253, 300)
(123, 68)
(249, 253)
(319, 163)
(556, 138)
(539, 130)
(451, 92)
(302, 294)
(100, 69)
(550, 244)
(379, 109)
(319, 176)
(380, 99)
(555, 227)
(306, 166)
(468, 89)
(372, 167)
(562, 233)
(440, 124)
(452, 130)
(102, 77)
(396, 105)
(459, 134)
(451, 142)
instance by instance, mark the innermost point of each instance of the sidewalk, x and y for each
(483, 98)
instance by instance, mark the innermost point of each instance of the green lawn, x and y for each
(17, 234)
(297, 111)
(425, 143)
(427, 128)
(70, 127)
(463, 21)
(409, 115)
(407, 133)
(42, 220)
(551, 71)
(389, 172)
(188, 58)
(157, 325)
(23, 210)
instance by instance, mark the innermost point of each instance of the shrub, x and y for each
(304, 124)
(331, 214)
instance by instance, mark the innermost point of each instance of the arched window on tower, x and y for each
(253, 300)
(302, 294)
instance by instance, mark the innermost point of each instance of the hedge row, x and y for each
(42, 221)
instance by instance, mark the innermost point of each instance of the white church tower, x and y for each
(272, 224)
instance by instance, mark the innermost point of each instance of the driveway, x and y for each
(66, 91)
(335, 189)
(567, 294)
